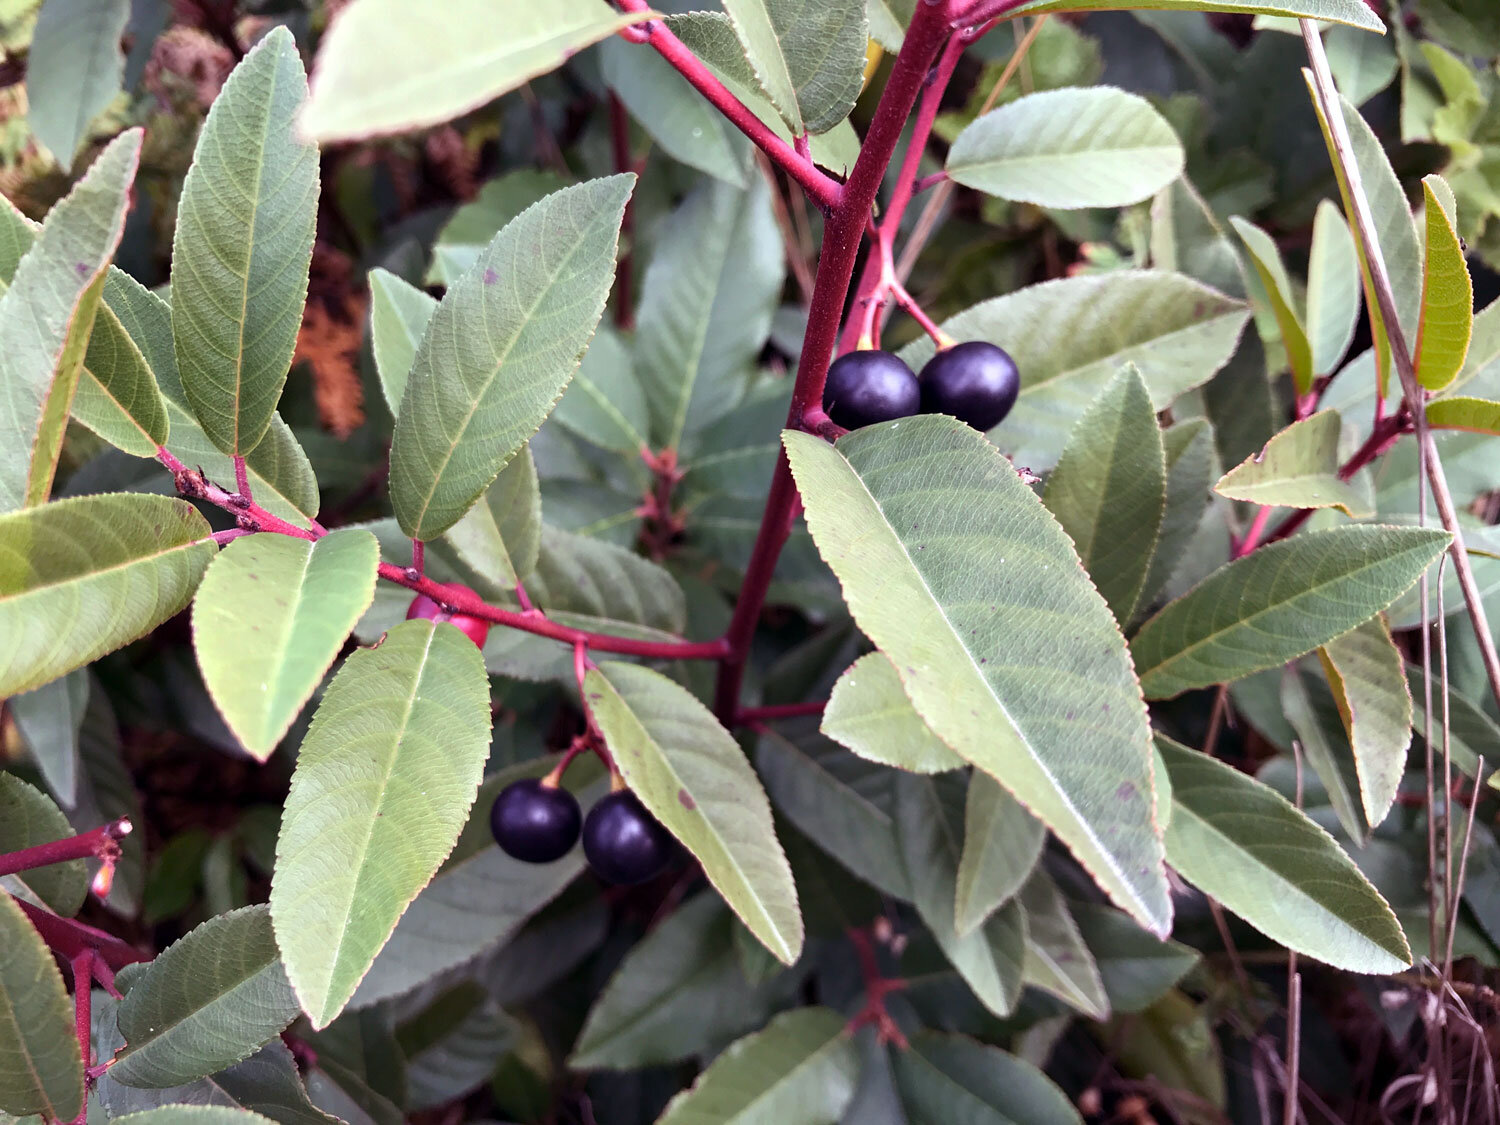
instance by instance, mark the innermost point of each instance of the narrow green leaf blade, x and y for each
(1299, 468)
(49, 719)
(379, 72)
(270, 618)
(46, 316)
(41, 1070)
(1447, 320)
(1478, 415)
(799, 1070)
(694, 778)
(1191, 462)
(206, 1002)
(605, 403)
(81, 577)
(500, 538)
(384, 781)
(1280, 602)
(399, 313)
(500, 349)
(117, 394)
(1266, 258)
(195, 1115)
(1090, 146)
(1057, 960)
(1109, 490)
(243, 245)
(808, 58)
(1003, 645)
(870, 714)
(1310, 708)
(1002, 842)
(1250, 848)
(74, 70)
(28, 818)
(1368, 678)
(1333, 292)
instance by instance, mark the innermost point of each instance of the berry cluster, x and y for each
(975, 382)
(538, 821)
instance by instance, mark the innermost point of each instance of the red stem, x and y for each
(983, 11)
(98, 843)
(82, 965)
(68, 938)
(841, 238)
(242, 477)
(748, 716)
(418, 556)
(824, 190)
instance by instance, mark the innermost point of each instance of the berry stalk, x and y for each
(98, 843)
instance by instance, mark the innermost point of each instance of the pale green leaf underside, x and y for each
(270, 617)
(1352, 12)
(81, 577)
(206, 1002)
(384, 781)
(40, 1067)
(950, 1078)
(953, 567)
(808, 58)
(500, 349)
(1278, 603)
(1002, 842)
(1057, 960)
(399, 313)
(1090, 146)
(694, 778)
(74, 70)
(1368, 679)
(870, 714)
(1247, 846)
(28, 818)
(501, 536)
(1333, 289)
(1299, 468)
(243, 244)
(1265, 257)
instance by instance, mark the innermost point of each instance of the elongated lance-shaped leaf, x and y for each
(1333, 289)
(1265, 257)
(196, 1115)
(81, 577)
(808, 58)
(49, 718)
(1092, 146)
(1109, 490)
(606, 404)
(1299, 468)
(800, 1069)
(500, 349)
(1355, 13)
(384, 781)
(243, 246)
(1057, 960)
(1279, 603)
(1002, 843)
(1447, 299)
(693, 777)
(953, 567)
(73, 70)
(1310, 708)
(46, 316)
(1368, 679)
(399, 313)
(949, 1078)
(869, 713)
(1478, 415)
(380, 71)
(207, 1001)
(28, 818)
(1191, 463)
(501, 537)
(1249, 847)
(270, 618)
(41, 1070)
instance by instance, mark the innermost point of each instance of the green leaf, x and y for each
(117, 394)
(399, 313)
(580, 577)
(1136, 967)
(207, 1001)
(1471, 730)
(384, 781)
(799, 1070)
(1299, 468)
(1447, 322)
(270, 617)
(706, 306)
(74, 70)
(1368, 679)
(1190, 458)
(46, 316)
(28, 818)
(41, 1070)
(1362, 66)
(808, 58)
(195, 1115)
(49, 718)
(243, 244)
(81, 577)
(1057, 960)
(1186, 238)
(1109, 490)
(888, 20)
(1479, 415)
(605, 404)
(501, 537)
(1332, 285)
(379, 72)
(453, 1045)
(869, 713)
(693, 777)
(1310, 708)
(1247, 846)
(1070, 338)
(471, 227)
(1002, 843)
(1092, 146)
(1278, 603)
(1352, 12)
(1266, 258)
(1001, 642)
(947, 1078)
(499, 350)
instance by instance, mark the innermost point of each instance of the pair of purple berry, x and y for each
(538, 821)
(975, 382)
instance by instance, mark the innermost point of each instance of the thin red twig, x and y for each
(82, 965)
(748, 716)
(68, 938)
(97, 843)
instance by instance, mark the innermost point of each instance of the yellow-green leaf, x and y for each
(1299, 468)
(1266, 259)
(1447, 299)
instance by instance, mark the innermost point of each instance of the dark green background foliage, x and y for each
(1130, 776)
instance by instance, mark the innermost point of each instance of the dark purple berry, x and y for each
(865, 387)
(623, 842)
(975, 382)
(535, 823)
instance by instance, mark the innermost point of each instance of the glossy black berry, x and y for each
(535, 823)
(975, 382)
(866, 387)
(623, 842)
